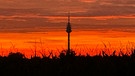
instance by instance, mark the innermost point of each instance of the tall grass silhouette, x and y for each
(68, 63)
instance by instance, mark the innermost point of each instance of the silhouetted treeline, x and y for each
(68, 64)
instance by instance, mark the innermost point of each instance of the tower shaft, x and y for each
(68, 41)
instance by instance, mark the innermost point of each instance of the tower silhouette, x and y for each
(68, 30)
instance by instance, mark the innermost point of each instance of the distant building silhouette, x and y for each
(68, 30)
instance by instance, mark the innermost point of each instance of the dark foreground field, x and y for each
(68, 64)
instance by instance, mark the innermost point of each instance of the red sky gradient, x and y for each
(94, 22)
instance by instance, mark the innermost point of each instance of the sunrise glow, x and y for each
(96, 25)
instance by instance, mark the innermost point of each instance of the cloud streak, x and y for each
(78, 7)
(45, 15)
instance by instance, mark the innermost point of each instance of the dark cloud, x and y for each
(31, 15)
(61, 7)
(29, 25)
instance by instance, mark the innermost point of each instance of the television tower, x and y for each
(68, 30)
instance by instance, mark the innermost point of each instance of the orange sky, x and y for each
(94, 22)
(81, 41)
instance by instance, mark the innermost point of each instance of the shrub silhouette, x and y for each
(68, 63)
(16, 55)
